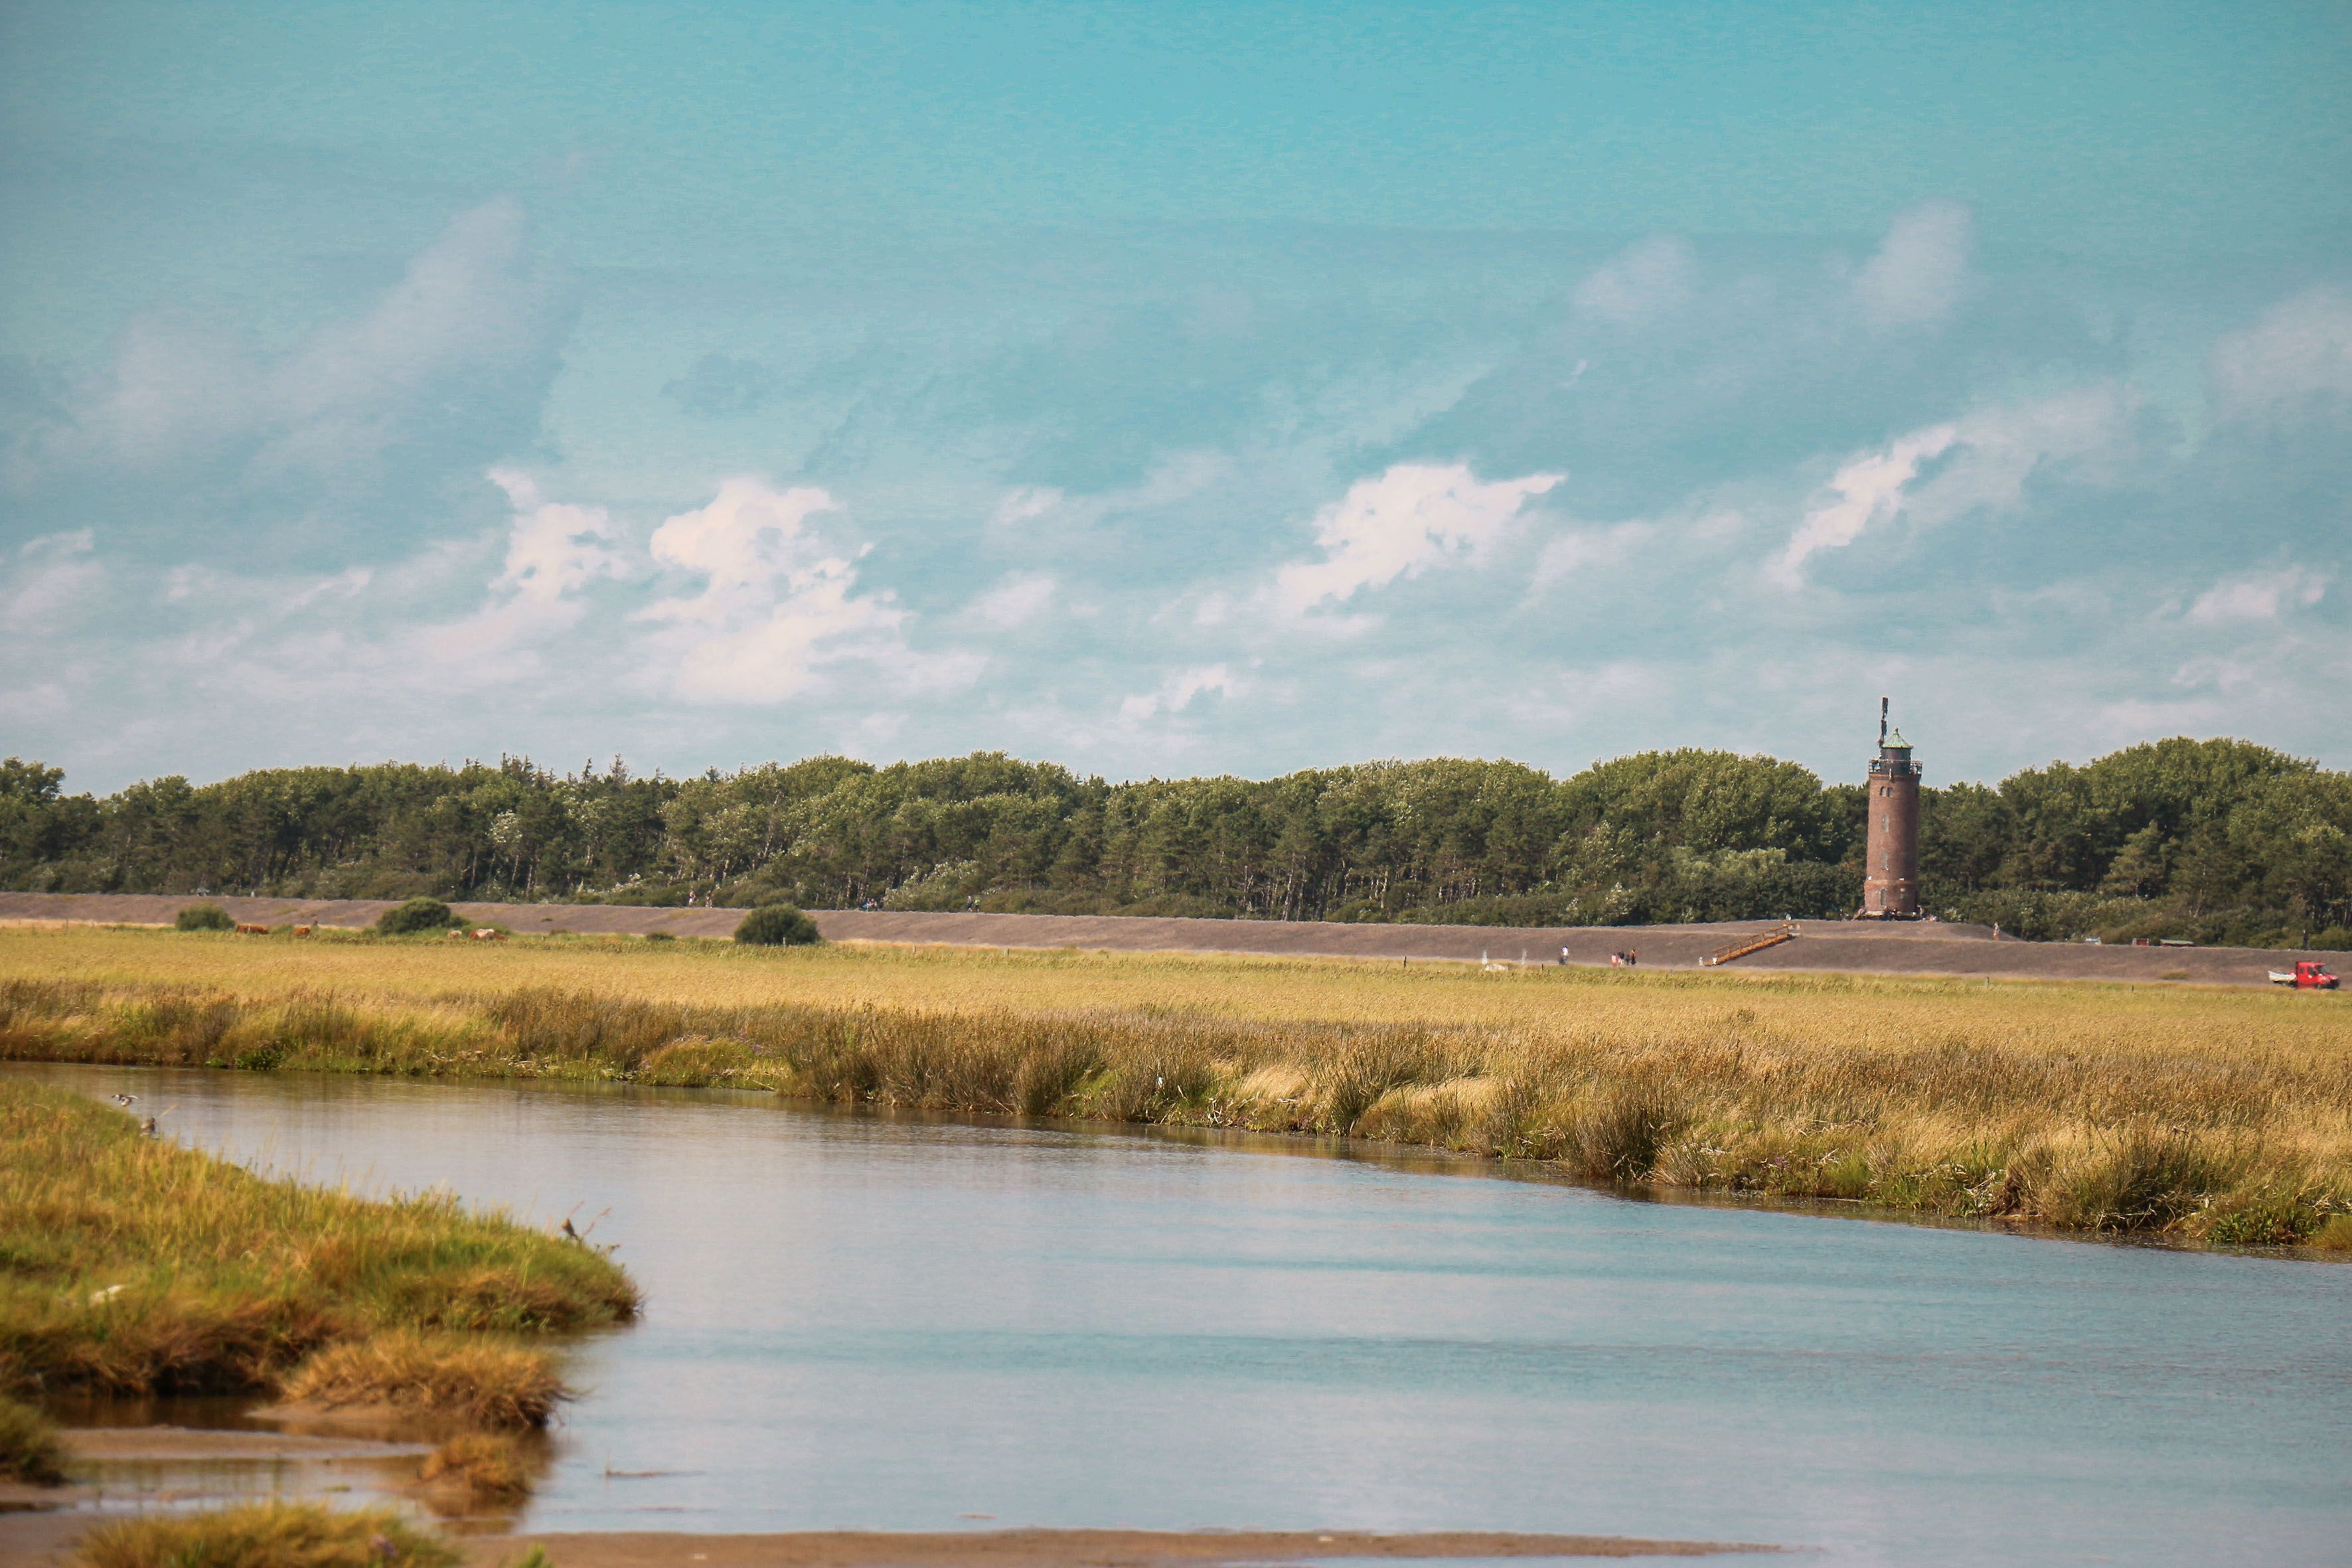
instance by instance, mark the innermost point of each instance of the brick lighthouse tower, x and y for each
(1890, 880)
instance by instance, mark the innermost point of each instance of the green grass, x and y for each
(2195, 1113)
(130, 1265)
(266, 1535)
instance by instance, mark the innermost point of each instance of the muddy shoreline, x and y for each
(1076, 1548)
(182, 1465)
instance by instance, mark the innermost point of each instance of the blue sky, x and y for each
(1170, 389)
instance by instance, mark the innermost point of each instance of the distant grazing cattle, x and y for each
(484, 934)
(301, 931)
(245, 930)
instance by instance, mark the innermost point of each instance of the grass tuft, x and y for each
(480, 1381)
(29, 1450)
(490, 1468)
(266, 1535)
(1622, 1136)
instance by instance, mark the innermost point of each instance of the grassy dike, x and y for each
(2201, 1115)
(129, 1265)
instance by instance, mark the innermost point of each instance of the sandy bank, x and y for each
(183, 1467)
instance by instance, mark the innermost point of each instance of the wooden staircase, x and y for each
(1785, 931)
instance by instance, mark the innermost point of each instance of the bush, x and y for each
(203, 916)
(416, 915)
(777, 925)
(28, 1445)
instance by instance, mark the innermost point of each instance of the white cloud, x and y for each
(1920, 269)
(1413, 517)
(1176, 693)
(1864, 490)
(2260, 597)
(1641, 283)
(1981, 463)
(2301, 347)
(1017, 600)
(775, 606)
(53, 577)
(553, 551)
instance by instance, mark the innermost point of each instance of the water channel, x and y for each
(890, 1323)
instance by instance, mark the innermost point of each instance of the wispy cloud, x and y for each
(1413, 517)
(1981, 462)
(2301, 348)
(2262, 597)
(1177, 693)
(55, 573)
(1016, 600)
(1640, 283)
(470, 311)
(1919, 271)
(1866, 489)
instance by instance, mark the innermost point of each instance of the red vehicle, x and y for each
(2308, 975)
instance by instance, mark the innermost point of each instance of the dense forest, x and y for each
(2211, 840)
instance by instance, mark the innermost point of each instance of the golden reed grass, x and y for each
(485, 1384)
(481, 1466)
(2201, 1114)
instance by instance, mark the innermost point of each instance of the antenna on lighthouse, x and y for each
(1881, 720)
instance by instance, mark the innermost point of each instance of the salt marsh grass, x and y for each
(129, 1265)
(484, 1384)
(2199, 1114)
(29, 1450)
(266, 1535)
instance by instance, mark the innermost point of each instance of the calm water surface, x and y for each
(870, 1323)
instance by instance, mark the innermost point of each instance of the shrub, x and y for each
(203, 916)
(416, 915)
(777, 925)
(28, 1445)
(266, 1535)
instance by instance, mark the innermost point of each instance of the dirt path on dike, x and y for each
(1853, 947)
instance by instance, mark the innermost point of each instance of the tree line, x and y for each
(2211, 840)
